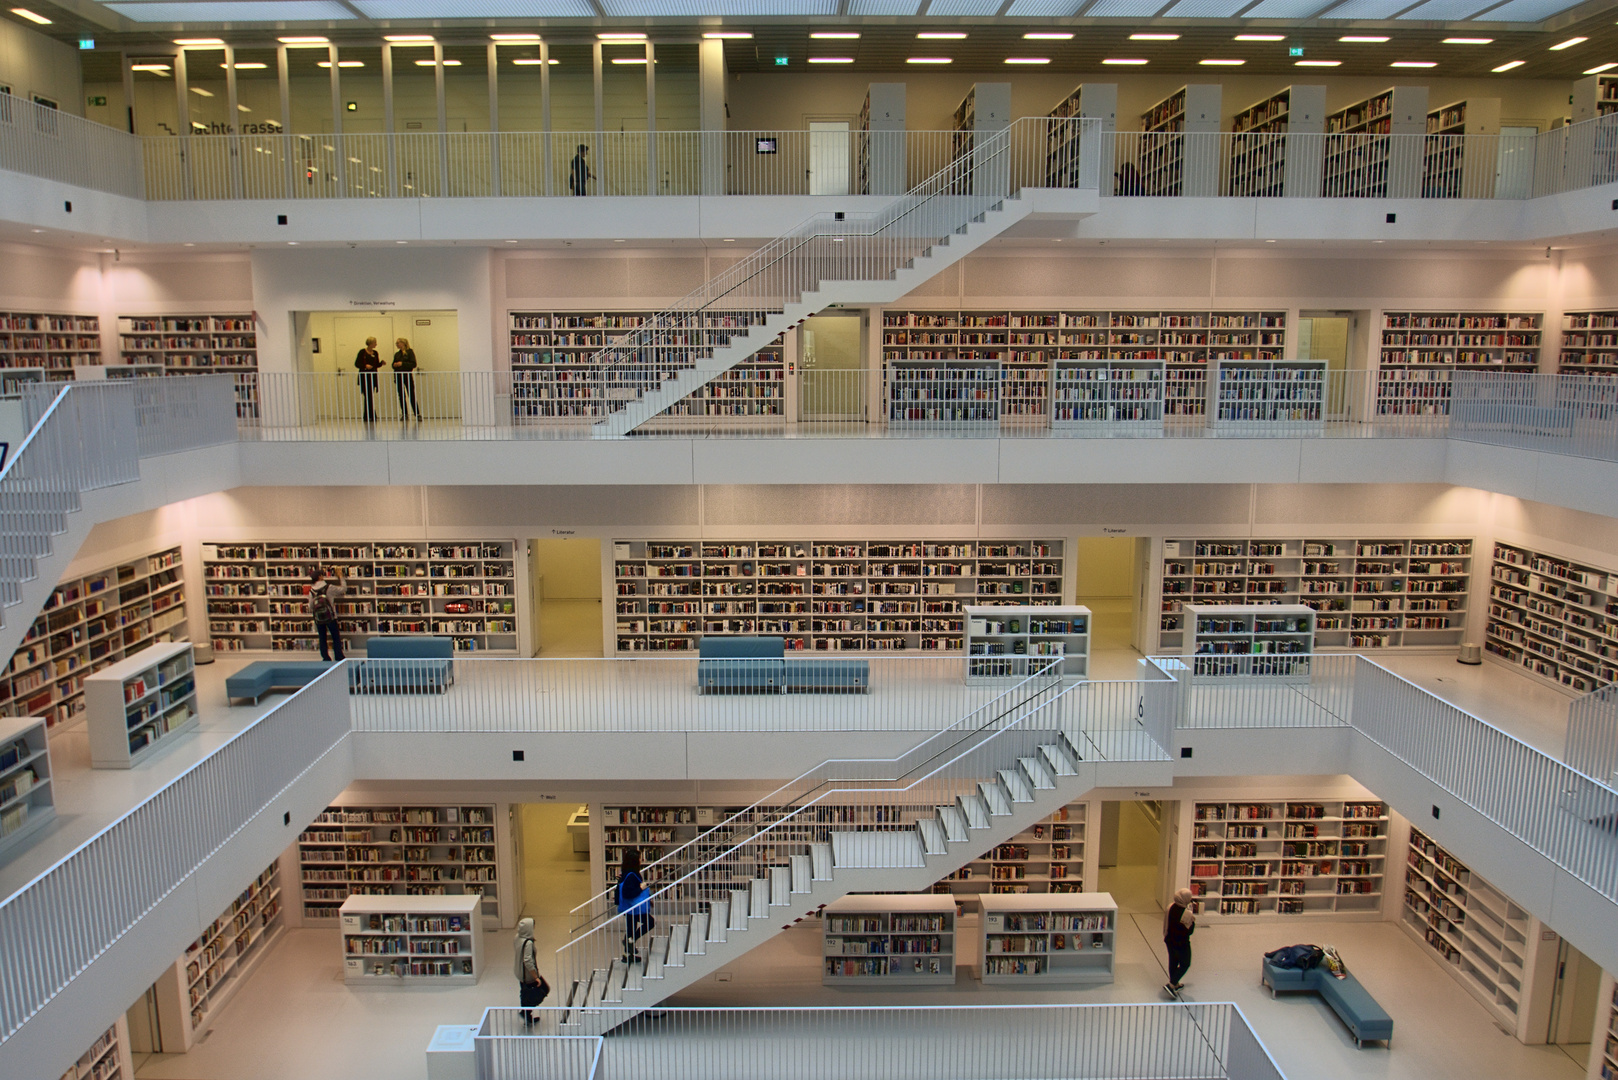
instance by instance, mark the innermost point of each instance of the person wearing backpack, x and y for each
(634, 903)
(532, 988)
(324, 595)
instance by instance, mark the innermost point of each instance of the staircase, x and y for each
(972, 786)
(830, 259)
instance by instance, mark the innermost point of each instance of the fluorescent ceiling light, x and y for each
(1569, 43)
(1048, 36)
(928, 60)
(940, 35)
(1123, 61)
(531, 62)
(623, 60)
(161, 69)
(1469, 41)
(1318, 63)
(243, 108)
(430, 63)
(356, 161)
(1364, 39)
(1028, 60)
(835, 35)
(1261, 37)
(247, 65)
(199, 41)
(615, 36)
(200, 92)
(1221, 63)
(728, 35)
(353, 63)
(1509, 65)
(31, 16)
(408, 39)
(1154, 37)
(1413, 64)
(1599, 68)
(831, 59)
(303, 40)
(513, 37)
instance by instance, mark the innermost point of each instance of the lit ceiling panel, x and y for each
(1447, 10)
(1366, 9)
(1044, 8)
(234, 11)
(964, 7)
(476, 9)
(1526, 10)
(1205, 9)
(1284, 9)
(883, 7)
(1102, 9)
(695, 8)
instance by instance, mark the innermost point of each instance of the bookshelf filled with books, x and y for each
(419, 939)
(1267, 641)
(1420, 350)
(420, 850)
(1371, 593)
(1474, 930)
(889, 941)
(194, 345)
(1455, 166)
(109, 1057)
(985, 110)
(91, 621)
(947, 394)
(1077, 153)
(1263, 160)
(822, 595)
(1032, 940)
(1589, 343)
(461, 589)
(1115, 395)
(27, 798)
(1604, 1054)
(139, 705)
(1268, 396)
(1050, 856)
(880, 158)
(194, 988)
(1555, 618)
(1288, 858)
(1169, 163)
(654, 830)
(1373, 147)
(55, 344)
(1014, 642)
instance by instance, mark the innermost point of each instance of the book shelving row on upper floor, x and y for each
(1554, 618)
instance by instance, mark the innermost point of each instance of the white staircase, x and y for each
(904, 278)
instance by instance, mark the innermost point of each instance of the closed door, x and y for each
(1514, 177)
(342, 399)
(828, 158)
(831, 368)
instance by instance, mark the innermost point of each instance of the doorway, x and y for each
(564, 583)
(1132, 854)
(328, 341)
(1106, 582)
(552, 843)
(828, 157)
(1575, 997)
(831, 368)
(1325, 335)
(1514, 172)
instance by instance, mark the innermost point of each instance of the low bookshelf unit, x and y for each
(1015, 642)
(140, 705)
(425, 940)
(1036, 940)
(1249, 640)
(889, 941)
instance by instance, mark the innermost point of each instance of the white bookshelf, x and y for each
(464, 590)
(1604, 1052)
(27, 799)
(55, 343)
(1288, 858)
(1362, 159)
(1268, 396)
(1454, 166)
(1249, 640)
(398, 851)
(1107, 395)
(985, 110)
(1589, 343)
(1013, 642)
(1264, 161)
(1554, 618)
(108, 1058)
(1167, 162)
(889, 941)
(1371, 593)
(1474, 931)
(1051, 856)
(959, 393)
(91, 621)
(422, 940)
(1070, 159)
(194, 345)
(1421, 350)
(881, 165)
(822, 595)
(1034, 940)
(195, 987)
(140, 704)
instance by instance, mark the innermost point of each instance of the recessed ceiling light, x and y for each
(729, 240)
(242, 108)
(292, 243)
(247, 65)
(1048, 35)
(621, 60)
(199, 41)
(617, 241)
(728, 35)
(1154, 37)
(1413, 64)
(831, 59)
(1569, 43)
(513, 37)
(940, 35)
(531, 62)
(200, 92)
(1318, 63)
(31, 16)
(1261, 37)
(1599, 68)
(616, 36)
(1028, 60)
(928, 60)
(422, 63)
(190, 245)
(401, 241)
(160, 69)
(1221, 63)
(1364, 39)
(1509, 64)
(303, 40)
(357, 63)
(1469, 41)
(835, 35)
(1123, 61)
(408, 39)
(511, 241)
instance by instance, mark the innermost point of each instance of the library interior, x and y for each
(861, 538)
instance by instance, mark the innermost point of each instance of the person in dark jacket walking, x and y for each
(404, 379)
(368, 360)
(579, 174)
(634, 903)
(1178, 925)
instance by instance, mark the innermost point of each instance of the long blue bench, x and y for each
(760, 665)
(404, 665)
(1366, 1020)
(259, 678)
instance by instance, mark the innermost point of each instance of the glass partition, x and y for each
(573, 119)
(156, 109)
(466, 110)
(315, 152)
(266, 166)
(621, 162)
(524, 149)
(415, 119)
(364, 150)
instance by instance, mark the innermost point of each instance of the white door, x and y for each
(828, 158)
(1514, 176)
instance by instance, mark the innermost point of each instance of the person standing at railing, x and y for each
(323, 599)
(1179, 923)
(404, 379)
(579, 174)
(634, 903)
(369, 361)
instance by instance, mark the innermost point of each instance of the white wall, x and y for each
(31, 63)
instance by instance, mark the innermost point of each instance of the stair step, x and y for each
(616, 976)
(995, 797)
(820, 858)
(954, 822)
(654, 960)
(976, 811)
(802, 874)
(632, 982)
(718, 920)
(741, 901)
(574, 998)
(780, 886)
(932, 836)
(597, 987)
(1058, 759)
(1037, 774)
(696, 943)
(677, 940)
(877, 848)
(759, 907)
(1016, 786)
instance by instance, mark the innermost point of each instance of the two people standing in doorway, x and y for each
(369, 362)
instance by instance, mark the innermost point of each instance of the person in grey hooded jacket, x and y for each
(531, 985)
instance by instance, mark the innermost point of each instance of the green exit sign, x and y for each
(98, 99)
(1296, 50)
(780, 61)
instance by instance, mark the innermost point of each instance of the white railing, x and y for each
(56, 926)
(1189, 1041)
(1592, 735)
(184, 413)
(1576, 413)
(38, 140)
(1264, 691)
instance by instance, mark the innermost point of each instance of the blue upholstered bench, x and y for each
(1366, 1020)
(259, 678)
(404, 665)
(749, 664)
(827, 676)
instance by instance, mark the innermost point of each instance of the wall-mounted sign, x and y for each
(96, 99)
(764, 146)
(424, 322)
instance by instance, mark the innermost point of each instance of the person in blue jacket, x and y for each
(634, 904)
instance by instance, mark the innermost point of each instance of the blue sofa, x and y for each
(404, 665)
(1366, 1020)
(259, 678)
(760, 665)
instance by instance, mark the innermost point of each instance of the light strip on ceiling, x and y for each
(928, 60)
(1261, 37)
(1469, 41)
(831, 59)
(1318, 63)
(1509, 65)
(1413, 64)
(1047, 36)
(1123, 61)
(939, 35)
(1154, 37)
(513, 37)
(303, 40)
(835, 35)
(728, 35)
(1568, 44)
(1221, 63)
(1028, 60)
(1364, 39)
(32, 16)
